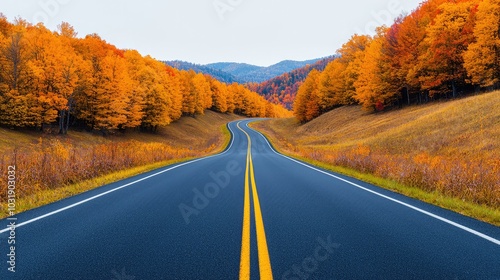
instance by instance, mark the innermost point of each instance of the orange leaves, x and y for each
(436, 50)
(482, 58)
(447, 38)
(48, 77)
(306, 106)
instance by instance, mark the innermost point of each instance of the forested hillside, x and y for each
(222, 76)
(55, 79)
(443, 49)
(283, 89)
(250, 73)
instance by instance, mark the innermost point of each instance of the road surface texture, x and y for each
(248, 213)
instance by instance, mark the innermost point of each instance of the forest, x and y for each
(443, 49)
(51, 81)
(283, 89)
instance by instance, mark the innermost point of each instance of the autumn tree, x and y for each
(139, 86)
(482, 58)
(14, 80)
(72, 69)
(306, 106)
(351, 55)
(332, 86)
(202, 93)
(441, 64)
(103, 102)
(219, 96)
(49, 78)
(372, 86)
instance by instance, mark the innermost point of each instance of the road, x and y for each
(247, 215)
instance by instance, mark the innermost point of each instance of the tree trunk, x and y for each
(454, 87)
(408, 95)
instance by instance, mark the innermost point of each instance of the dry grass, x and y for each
(50, 167)
(451, 149)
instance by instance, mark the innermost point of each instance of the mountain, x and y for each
(230, 72)
(251, 73)
(283, 89)
(220, 75)
(235, 69)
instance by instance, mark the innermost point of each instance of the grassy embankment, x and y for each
(447, 154)
(53, 167)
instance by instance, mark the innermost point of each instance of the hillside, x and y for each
(441, 50)
(283, 89)
(449, 148)
(199, 131)
(51, 172)
(251, 73)
(220, 75)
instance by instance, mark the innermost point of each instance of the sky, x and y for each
(259, 32)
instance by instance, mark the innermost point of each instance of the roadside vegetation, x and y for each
(443, 49)
(446, 153)
(53, 167)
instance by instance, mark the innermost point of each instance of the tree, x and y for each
(351, 55)
(189, 98)
(219, 96)
(14, 79)
(202, 93)
(72, 65)
(103, 101)
(482, 58)
(441, 64)
(332, 90)
(372, 84)
(306, 106)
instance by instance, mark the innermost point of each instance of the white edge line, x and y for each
(477, 233)
(121, 187)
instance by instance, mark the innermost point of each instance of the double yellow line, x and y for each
(263, 253)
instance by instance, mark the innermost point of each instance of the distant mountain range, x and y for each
(283, 89)
(230, 72)
(222, 76)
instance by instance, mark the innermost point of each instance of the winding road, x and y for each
(247, 213)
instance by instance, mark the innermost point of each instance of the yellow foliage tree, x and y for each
(441, 64)
(482, 58)
(306, 106)
(369, 85)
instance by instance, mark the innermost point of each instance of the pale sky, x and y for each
(260, 32)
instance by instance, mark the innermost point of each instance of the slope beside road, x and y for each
(247, 213)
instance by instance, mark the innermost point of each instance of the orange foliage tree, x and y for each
(436, 51)
(52, 79)
(482, 58)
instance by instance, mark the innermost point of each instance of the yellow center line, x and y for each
(245, 238)
(264, 260)
(265, 270)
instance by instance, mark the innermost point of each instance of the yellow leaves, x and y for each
(370, 88)
(54, 76)
(306, 106)
(482, 58)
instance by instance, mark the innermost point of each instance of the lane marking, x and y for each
(123, 186)
(457, 225)
(265, 269)
(245, 238)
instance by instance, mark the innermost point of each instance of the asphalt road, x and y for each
(241, 215)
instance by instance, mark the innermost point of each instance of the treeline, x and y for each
(55, 78)
(283, 89)
(442, 49)
(215, 73)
